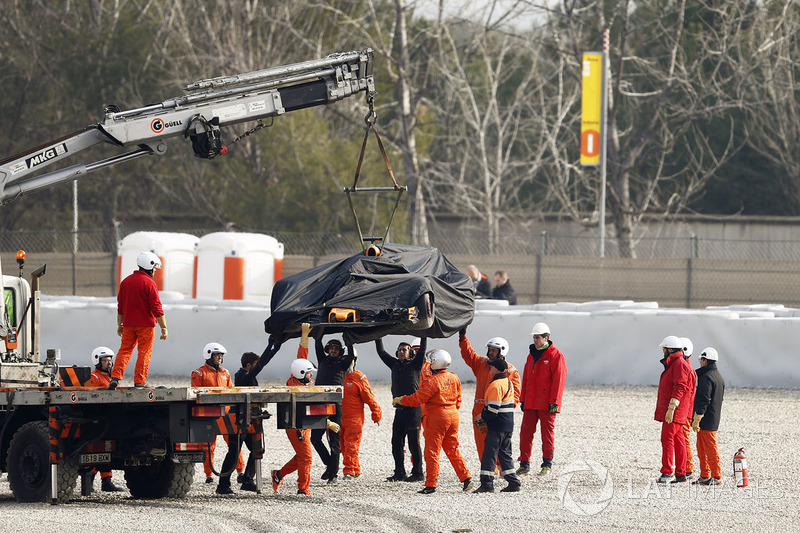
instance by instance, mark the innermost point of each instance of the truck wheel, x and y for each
(164, 479)
(29, 466)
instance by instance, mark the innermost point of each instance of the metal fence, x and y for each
(676, 272)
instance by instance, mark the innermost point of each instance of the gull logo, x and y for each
(596, 504)
(157, 125)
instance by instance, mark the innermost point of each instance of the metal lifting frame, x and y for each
(370, 120)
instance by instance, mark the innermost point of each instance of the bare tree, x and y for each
(672, 80)
(773, 91)
(490, 144)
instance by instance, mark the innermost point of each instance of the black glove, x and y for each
(299, 435)
(462, 332)
(521, 406)
(553, 408)
(276, 339)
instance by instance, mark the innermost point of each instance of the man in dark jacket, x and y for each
(498, 414)
(246, 377)
(481, 285)
(503, 289)
(406, 368)
(332, 365)
(707, 411)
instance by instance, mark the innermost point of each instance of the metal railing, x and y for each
(680, 272)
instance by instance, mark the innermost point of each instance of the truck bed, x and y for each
(200, 395)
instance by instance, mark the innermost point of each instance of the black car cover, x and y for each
(381, 289)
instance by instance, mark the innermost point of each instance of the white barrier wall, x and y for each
(604, 342)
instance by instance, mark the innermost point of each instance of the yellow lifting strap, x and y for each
(370, 120)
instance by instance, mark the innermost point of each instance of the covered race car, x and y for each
(405, 290)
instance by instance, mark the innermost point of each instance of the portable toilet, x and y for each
(176, 251)
(237, 266)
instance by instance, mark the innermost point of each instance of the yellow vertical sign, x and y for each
(591, 107)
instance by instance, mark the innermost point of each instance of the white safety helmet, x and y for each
(688, 347)
(440, 359)
(710, 354)
(672, 341)
(540, 328)
(148, 261)
(416, 343)
(212, 348)
(301, 368)
(500, 343)
(100, 352)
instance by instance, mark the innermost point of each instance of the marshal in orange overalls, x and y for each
(484, 375)
(208, 376)
(441, 395)
(357, 392)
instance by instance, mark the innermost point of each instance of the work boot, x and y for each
(396, 477)
(333, 480)
(679, 479)
(524, 468)
(113, 384)
(466, 485)
(276, 480)
(483, 488)
(142, 386)
(326, 475)
(511, 487)
(413, 478)
(427, 490)
(249, 485)
(240, 478)
(209, 479)
(351, 476)
(303, 492)
(224, 489)
(106, 485)
(665, 478)
(545, 471)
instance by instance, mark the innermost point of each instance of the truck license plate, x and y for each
(95, 458)
(189, 457)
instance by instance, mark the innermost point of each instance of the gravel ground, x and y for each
(607, 459)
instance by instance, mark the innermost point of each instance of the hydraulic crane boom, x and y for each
(199, 114)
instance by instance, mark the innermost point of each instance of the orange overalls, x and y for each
(484, 374)
(441, 394)
(357, 392)
(208, 376)
(139, 305)
(101, 380)
(687, 427)
(301, 442)
(424, 375)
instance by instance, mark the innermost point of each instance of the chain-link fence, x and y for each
(675, 272)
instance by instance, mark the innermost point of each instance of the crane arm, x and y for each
(206, 106)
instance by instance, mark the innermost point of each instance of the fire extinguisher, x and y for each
(740, 468)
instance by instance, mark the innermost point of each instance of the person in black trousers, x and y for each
(406, 367)
(332, 364)
(246, 377)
